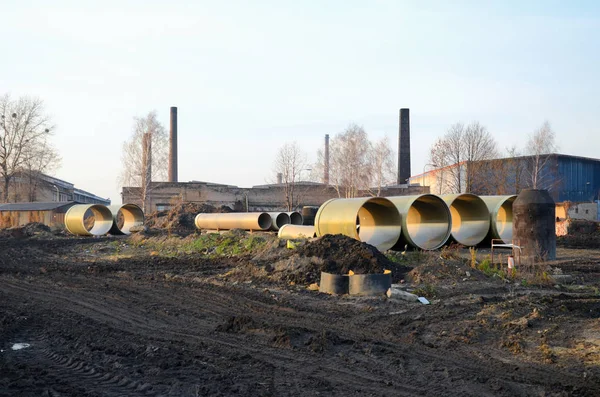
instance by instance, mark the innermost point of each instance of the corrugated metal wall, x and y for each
(20, 218)
(579, 179)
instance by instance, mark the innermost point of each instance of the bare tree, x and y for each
(350, 167)
(460, 154)
(145, 156)
(382, 164)
(539, 146)
(289, 163)
(24, 133)
(479, 146)
(41, 159)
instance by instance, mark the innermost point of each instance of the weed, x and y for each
(427, 290)
(491, 270)
(473, 253)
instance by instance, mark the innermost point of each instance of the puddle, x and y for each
(19, 346)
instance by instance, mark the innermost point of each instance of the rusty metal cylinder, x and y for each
(88, 220)
(296, 231)
(234, 220)
(534, 223)
(375, 221)
(470, 218)
(131, 214)
(278, 219)
(426, 221)
(501, 217)
(295, 218)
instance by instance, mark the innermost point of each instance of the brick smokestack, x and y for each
(326, 165)
(404, 147)
(279, 178)
(173, 146)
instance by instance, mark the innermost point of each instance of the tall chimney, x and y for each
(326, 165)
(279, 178)
(404, 148)
(173, 146)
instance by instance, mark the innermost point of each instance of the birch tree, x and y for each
(350, 164)
(540, 145)
(382, 165)
(25, 131)
(290, 162)
(145, 156)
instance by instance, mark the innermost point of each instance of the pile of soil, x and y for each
(180, 218)
(28, 230)
(580, 234)
(336, 254)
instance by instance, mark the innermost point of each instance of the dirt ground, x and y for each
(234, 315)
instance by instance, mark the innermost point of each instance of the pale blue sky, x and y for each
(249, 76)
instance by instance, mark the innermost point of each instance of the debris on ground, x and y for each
(180, 218)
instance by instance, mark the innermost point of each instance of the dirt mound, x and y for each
(580, 234)
(28, 230)
(340, 254)
(180, 218)
(336, 254)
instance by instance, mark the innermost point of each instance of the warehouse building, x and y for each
(567, 178)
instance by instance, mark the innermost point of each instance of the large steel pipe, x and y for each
(125, 217)
(88, 220)
(234, 220)
(501, 216)
(470, 218)
(278, 219)
(375, 221)
(295, 218)
(426, 221)
(296, 231)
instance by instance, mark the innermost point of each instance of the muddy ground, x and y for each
(173, 316)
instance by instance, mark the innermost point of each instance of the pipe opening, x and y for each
(426, 224)
(264, 221)
(296, 218)
(470, 218)
(88, 220)
(375, 221)
(504, 220)
(125, 217)
(278, 219)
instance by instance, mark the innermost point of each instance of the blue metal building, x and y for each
(578, 178)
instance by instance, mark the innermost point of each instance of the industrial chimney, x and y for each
(173, 146)
(279, 178)
(404, 148)
(326, 165)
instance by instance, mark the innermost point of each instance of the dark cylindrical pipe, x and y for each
(534, 217)
(173, 146)
(308, 215)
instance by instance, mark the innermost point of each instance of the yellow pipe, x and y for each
(372, 220)
(426, 221)
(296, 231)
(501, 216)
(77, 214)
(234, 220)
(132, 216)
(470, 218)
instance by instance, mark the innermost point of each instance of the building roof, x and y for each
(35, 206)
